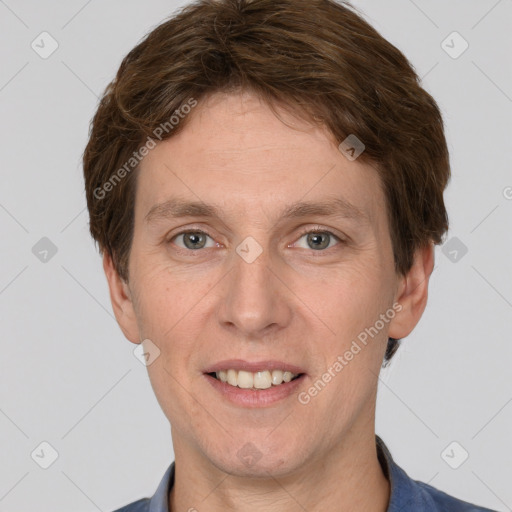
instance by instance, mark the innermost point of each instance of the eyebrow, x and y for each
(335, 207)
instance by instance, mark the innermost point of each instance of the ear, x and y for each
(412, 293)
(121, 299)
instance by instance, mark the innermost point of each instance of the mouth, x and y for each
(263, 388)
(255, 384)
(254, 375)
(255, 381)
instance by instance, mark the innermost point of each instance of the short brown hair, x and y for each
(318, 57)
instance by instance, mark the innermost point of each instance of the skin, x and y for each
(294, 303)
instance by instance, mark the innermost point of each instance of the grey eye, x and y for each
(192, 239)
(318, 240)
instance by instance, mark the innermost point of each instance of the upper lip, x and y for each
(253, 366)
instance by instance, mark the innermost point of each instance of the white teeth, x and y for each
(257, 380)
(245, 380)
(277, 377)
(262, 380)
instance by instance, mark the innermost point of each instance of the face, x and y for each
(257, 278)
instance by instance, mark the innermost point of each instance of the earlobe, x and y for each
(412, 293)
(121, 299)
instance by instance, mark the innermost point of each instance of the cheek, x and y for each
(348, 298)
(169, 311)
(350, 303)
(352, 349)
(165, 296)
(172, 309)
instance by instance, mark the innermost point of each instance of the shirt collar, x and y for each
(160, 500)
(405, 493)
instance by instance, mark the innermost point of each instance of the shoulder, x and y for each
(410, 494)
(445, 501)
(141, 505)
(157, 502)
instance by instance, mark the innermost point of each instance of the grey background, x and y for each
(68, 376)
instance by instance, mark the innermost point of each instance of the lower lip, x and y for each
(255, 398)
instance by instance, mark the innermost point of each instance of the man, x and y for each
(265, 181)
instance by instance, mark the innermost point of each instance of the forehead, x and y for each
(235, 153)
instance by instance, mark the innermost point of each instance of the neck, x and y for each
(347, 478)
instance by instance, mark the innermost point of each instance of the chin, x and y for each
(258, 458)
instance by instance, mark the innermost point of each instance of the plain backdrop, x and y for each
(69, 378)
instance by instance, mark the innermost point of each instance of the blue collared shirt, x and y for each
(407, 495)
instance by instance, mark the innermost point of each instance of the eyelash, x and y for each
(319, 229)
(306, 231)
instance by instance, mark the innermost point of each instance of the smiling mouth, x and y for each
(255, 380)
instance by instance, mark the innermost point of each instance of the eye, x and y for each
(193, 240)
(318, 239)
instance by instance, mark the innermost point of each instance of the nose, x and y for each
(255, 301)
